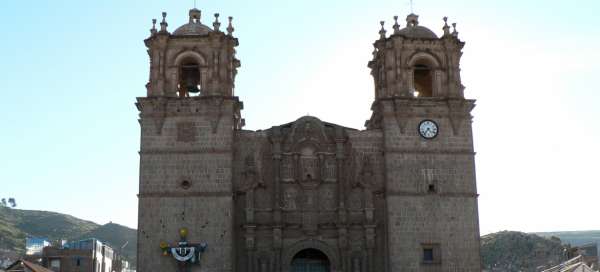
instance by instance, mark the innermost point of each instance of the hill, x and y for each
(505, 251)
(16, 224)
(511, 251)
(575, 238)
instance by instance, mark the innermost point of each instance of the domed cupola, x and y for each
(414, 30)
(415, 63)
(194, 60)
(194, 27)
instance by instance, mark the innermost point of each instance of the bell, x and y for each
(193, 89)
(190, 78)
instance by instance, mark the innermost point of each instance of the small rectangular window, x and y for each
(431, 253)
(428, 255)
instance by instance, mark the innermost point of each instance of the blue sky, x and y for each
(71, 70)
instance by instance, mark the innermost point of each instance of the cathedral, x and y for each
(308, 195)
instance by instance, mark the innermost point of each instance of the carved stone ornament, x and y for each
(459, 112)
(403, 114)
(251, 175)
(186, 254)
(219, 109)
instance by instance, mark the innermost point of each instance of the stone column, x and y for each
(277, 204)
(370, 239)
(250, 239)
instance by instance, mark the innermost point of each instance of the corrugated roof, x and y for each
(572, 265)
(32, 266)
(35, 267)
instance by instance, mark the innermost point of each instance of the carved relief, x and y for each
(366, 182)
(330, 168)
(355, 199)
(250, 174)
(308, 200)
(327, 199)
(287, 168)
(289, 198)
(309, 165)
(309, 221)
(459, 112)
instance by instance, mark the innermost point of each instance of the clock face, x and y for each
(428, 129)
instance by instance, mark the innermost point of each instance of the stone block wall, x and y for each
(431, 195)
(186, 180)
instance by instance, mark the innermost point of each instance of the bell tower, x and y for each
(188, 120)
(431, 196)
(193, 60)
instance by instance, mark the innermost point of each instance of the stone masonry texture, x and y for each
(384, 198)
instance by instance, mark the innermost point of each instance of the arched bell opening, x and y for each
(424, 75)
(310, 259)
(190, 82)
(422, 80)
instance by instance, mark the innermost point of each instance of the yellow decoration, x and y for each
(183, 232)
(163, 245)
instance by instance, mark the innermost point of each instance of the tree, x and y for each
(4, 202)
(12, 202)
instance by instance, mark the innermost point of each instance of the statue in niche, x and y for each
(250, 174)
(252, 183)
(365, 176)
(365, 181)
(309, 166)
(366, 172)
(289, 199)
(327, 199)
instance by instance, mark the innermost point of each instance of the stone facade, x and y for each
(381, 199)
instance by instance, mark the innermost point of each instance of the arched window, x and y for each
(422, 80)
(189, 78)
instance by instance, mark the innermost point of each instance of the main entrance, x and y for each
(310, 260)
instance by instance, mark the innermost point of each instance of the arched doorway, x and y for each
(310, 260)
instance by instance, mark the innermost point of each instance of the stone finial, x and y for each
(164, 24)
(396, 25)
(412, 20)
(195, 15)
(382, 31)
(230, 28)
(446, 28)
(454, 32)
(216, 24)
(153, 29)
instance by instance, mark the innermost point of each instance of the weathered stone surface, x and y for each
(369, 200)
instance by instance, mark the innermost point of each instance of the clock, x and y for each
(428, 129)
